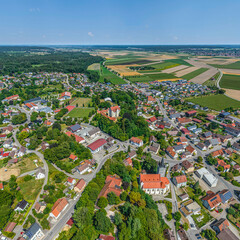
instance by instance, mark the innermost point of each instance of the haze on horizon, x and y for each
(112, 22)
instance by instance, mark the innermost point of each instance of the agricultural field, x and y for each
(81, 102)
(212, 81)
(109, 76)
(80, 112)
(94, 67)
(127, 61)
(194, 73)
(230, 81)
(123, 70)
(151, 77)
(235, 65)
(216, 102)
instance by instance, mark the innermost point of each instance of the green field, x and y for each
(235, 65)
(109, 76)
(210, 82)
(127, 60)
(216, 102)
(230, 81)
(151, 77)
(194, 73)
(81, 102)
(80, 112)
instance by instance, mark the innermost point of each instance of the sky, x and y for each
(119, 22)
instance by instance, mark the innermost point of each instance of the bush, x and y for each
(102, 202)
(28, 178)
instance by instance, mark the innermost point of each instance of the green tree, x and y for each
(102, 202)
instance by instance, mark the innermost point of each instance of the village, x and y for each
(192, 152)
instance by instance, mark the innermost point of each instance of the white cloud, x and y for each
(90, 34)
(175, 38)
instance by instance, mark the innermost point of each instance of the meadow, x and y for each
(81, 102)
(230, 81)
(80, 112)
(194, 73)
(109, 76)
(216, 102)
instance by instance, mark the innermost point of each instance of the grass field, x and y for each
(230, 81)
(81, 101)
(94, 66)
(235, 65)
(30, 189)
(151, 77)
(194, 73)
(113, 78)
(80, 112)
(127, 61)
(216, 102)
(210, 82)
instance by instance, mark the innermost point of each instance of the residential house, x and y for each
(136, 141)
(222, 163)
(59, 206)
(225, 195)
(114, 111)
(212, 200)
(132, 154)
(171, 152)
(65, 96)
(40, 174)
(80, 185)
(220, 225)
(128, 162)
(154, 184)
(188, 167)
(154, 148)
(201, 146)
(94, 132)
(40, 206)
(71, 181)
(180, 181)
(10, 227)
(227, 234)
(105, 237)
(73, 157)
(34, 232)
(21, 206)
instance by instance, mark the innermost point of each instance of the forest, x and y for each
(50, 60)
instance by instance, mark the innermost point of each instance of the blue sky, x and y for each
(119, 22)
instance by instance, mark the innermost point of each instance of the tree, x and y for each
(199, 159)
(113, 198)
(56, 125)
(117, 218)
(185, 226)
(123, 196)
(229, 144)
(102, 222)
(134, 197)
(177, 216)
(102, 202)
(82, 217)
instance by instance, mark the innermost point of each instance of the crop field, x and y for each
(80, 112)
(151, 77)
(216, 102)
(174, 69)
(82, 102)
(235, 65)
(94, 67)
(194, 73)
(109, 76)
(185, 71)
(230, 81)
(124, 70)
(127, 61)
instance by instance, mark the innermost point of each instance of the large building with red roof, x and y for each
(112, 184)
(97, 145)
(59, 206)
(154, 184)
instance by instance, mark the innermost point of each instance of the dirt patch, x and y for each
(233, 93)
(186, 71)
(5, 175)
(172, 80)
(174, 69)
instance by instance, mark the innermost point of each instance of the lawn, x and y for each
(230, 81)
(151, 77)
(235, 65)
(216, 102)
(81, 102)
(80, 112)
(194, 73)
(30, 189)
(206, 218)
(109, 76)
